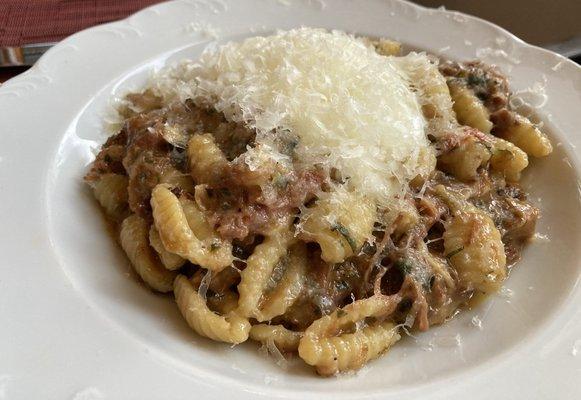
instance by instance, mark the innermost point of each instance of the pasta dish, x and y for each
(318, 192)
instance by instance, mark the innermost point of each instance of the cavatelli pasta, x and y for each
(473, 245)
(284, 339)
(111, 192)
(508, 159)
(230, 328)
(464, 161)
(432, 90)
(205, 157)
(169, 260)
(178, 237)
(521, 132)
(288, 288)
(259, 267)
(387, 47)
(325, 347)
(134, 239)
(340, 223)
(197, 220)
(350, 351)
(470, 111)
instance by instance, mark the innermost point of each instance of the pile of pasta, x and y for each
(409, 266)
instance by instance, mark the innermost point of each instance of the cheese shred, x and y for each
(352, 109)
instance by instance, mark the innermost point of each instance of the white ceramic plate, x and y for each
(76, 324)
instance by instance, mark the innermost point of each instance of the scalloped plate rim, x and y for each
(35, 71)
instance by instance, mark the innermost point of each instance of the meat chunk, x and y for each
(486, 81)
(109, 159)
(239, 209)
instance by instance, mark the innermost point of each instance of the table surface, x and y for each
(44, 21)
(8, 72)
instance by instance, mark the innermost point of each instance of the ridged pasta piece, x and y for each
(284, 339)
(288, 288)
(521, 132)
(508, 159)
(387, 47)
(325, 347)
(205, 157)
(230, 328)
(433, 91)
(111, 192)
(178, 237)
(197, 220)
(470, 111)
(134, 238)
(351, 351)
(177, 179)
(169, 260)
(259, 268)
(463, 161)
(375, 306)
(473, 245)
(340, 223)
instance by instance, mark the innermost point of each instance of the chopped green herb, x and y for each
(341, 285)
(404, 266)
(107, 158)
(224, 191)
(280, 181)
(475, 80)
(341, 313)
(345, 233)
(290, 146)
(142, 177)
(482, 96)
(214, 246)
(454, 252)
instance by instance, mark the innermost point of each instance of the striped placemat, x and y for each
(42, 21)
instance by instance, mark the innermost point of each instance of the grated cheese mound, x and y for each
(351, 108)
(431, 89)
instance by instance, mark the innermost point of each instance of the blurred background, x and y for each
(29, 27)
(540, 22)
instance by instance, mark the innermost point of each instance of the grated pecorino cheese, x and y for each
(350, 108)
